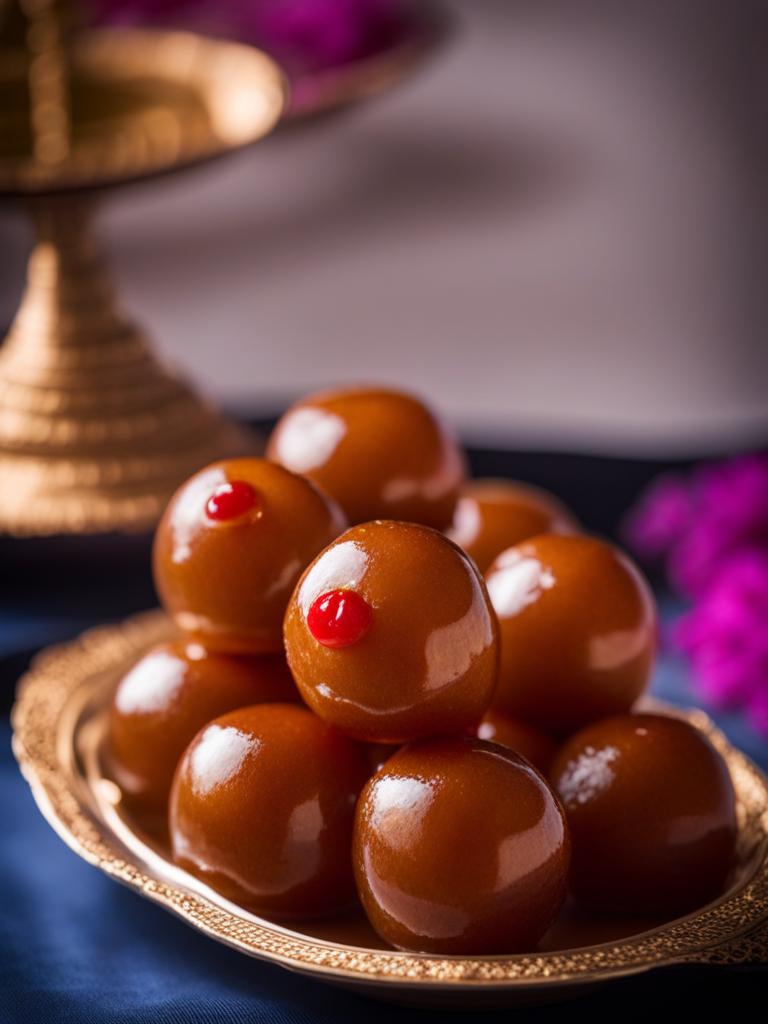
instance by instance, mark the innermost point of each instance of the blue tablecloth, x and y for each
(75, 946)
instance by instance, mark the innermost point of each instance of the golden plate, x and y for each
(59, 721)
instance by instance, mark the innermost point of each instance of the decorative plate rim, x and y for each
(733, 929)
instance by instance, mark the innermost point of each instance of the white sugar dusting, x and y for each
(587, 776)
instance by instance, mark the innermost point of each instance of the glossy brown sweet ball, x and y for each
(262, 809)
(390, 635)
(230, 547)
(577, 625)
(381, 454)
(492, 515)
(379, 753)
(460, 848)
(535, 746)
(652, 816)
(168, 696)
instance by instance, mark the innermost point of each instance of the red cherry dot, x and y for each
(339, 618)
(230, 501)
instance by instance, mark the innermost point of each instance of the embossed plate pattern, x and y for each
(66, 687)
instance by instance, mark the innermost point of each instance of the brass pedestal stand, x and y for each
(95, 433)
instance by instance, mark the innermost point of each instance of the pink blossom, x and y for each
(320, 33)
(699, 522)
(725, 635)
(661, 516)
(730, 502)
(712, 530)
(138, 12)
(758, 710)
(304, 35)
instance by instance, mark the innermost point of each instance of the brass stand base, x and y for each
(95, 434)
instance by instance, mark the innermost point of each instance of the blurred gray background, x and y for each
(556, 231)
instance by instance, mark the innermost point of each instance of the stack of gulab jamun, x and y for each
(394, 687)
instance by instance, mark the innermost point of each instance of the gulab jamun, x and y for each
(230, 547)
(493, 515)
(460, 848)
(651, 810)
(379, 753)
(577, 628)
(535, 746)
(169, 695)
(262, 810)
(381, 454)
(390, 635)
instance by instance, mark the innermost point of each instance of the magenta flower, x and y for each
(712, 530)
(725, 636)
(758, 710)
(730, 513)
(304, 35)
(139, 12)
(660, 518)
(698, 523)
(320, 33)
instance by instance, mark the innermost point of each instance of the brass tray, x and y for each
(59, 720)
